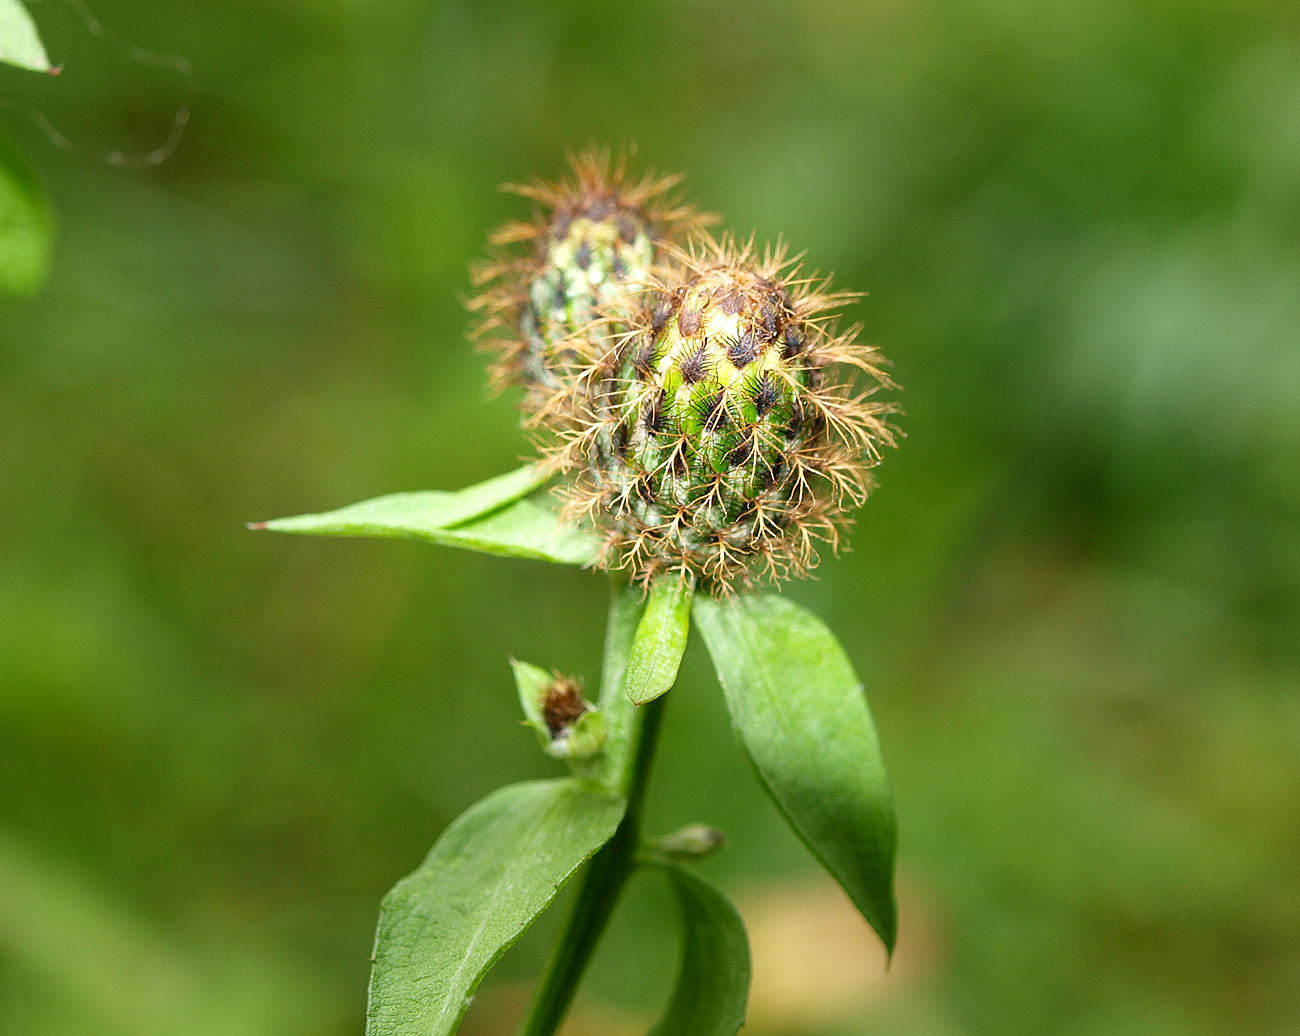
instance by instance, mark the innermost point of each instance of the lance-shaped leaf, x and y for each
(415, 514)
(660, 641)
(490, 875)
(802, 717)
(20, 44)
(713, 980)
(489, 517)
(525, 529)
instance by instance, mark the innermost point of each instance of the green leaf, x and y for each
(525, 529)
(24, 224)
(531, 682)
(802, 716)
(626, 606)
(490, 875)
(415, 514)
(713, 981)
(660, 641)
(476, 518)
(20, 44)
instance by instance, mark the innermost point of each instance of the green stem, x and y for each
(609, 869)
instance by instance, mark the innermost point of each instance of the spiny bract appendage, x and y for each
(568, 275)
(723, 436)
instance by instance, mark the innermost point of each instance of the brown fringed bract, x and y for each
(568, 275)
(729, 427)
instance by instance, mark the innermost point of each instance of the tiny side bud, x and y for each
(692, 842)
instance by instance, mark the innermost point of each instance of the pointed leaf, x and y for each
(531, 682)
(490, 875)
(660, 641)
(24, 224)
(802, 716)
(524, 529)
(713, 981)
(415, 514)
(20, 44)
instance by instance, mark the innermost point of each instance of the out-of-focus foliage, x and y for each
(24, 227)
(711, 994)
(20, 44)
(1075, 599)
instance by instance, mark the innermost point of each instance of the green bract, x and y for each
(595, 258)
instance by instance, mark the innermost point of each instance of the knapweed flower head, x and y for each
(730, 428)
(569, 274)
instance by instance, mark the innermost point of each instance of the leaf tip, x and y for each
(887, 930)
(54, 70)
(256, 526)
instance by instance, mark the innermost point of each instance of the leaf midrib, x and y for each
(488, 915)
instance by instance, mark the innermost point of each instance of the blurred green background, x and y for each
(1075, 600)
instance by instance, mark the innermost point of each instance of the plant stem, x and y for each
(601, 885)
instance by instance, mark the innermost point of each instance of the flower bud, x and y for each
(566, 724)
(568, 276)
(722, 437)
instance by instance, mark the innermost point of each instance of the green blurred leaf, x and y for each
(490, 875)
(802, 716)
(660, 641)
(24, 222)
(20, 44)
(474, 519)
(140, 980)
(713, 980)
(415, 514)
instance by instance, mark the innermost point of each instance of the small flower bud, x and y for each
(692, 842)
(591, 247)
(566, 724)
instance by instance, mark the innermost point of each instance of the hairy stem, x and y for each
(634, 733)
